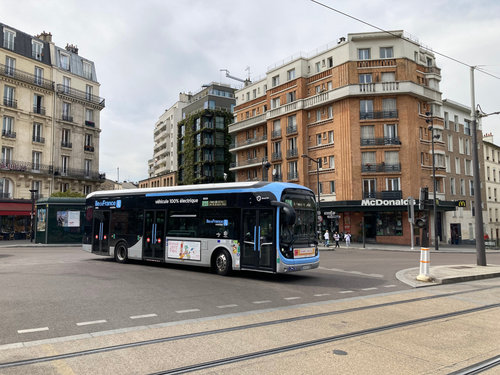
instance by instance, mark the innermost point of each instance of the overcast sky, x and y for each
(148, 51)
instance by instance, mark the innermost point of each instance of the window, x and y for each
(292, 170)
(457, 165)
(331, 162)
(392, 184)
(366, 108)
(330, 136)
(64, 60)
(467, 147)
(37, 132)
(8, 126)
(318, 115)
(386, 52)
(276, 128)
(389, 107)
(332, 187)
(468, 167)
(63, 187)
(219, 123)
(8, 39)
(467, 127)
(330, 62)
(87, 70)
(291, 97)
(66, 84)
(65, 140)
(369, 188)
(367, 134)
(87, 189)
(36, 50)
(292, 124)
(363, 54)
(275, 81)
(8, 96)
(390, 132)
(6, 187)
(368, 158)
(64, 165)
(275, 103)
(290, 74)
(388, 77)
(10, 66)
(462, 186)
(448, 165)
(66, 115)
(460, 145)
(318, 67)
(36, 160)
(446, 120)
(452, 186)
(38, 75)
(450, 142)
(87, 167)
(88, 140)
(318, 139)
(471, 187)
(89, 115)
(365, 78)
(7, 154)
(38, 104)
(391, 158)
(330, 112)
(88, 92)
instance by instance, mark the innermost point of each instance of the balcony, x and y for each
(380, 141)
(278, 177)
(80, 95)
(90, 123)
(39, 110)
(5, 195)
(7, 71)
(67, 118)
(9, 102)
(25, 166)
(8, 134)
(293, 153)
(88, 148)
(382, 167)
(291, 129)
(79, 173)
(293, 176)
(38, 139)
(247, 123)
(378, 115)
(248, 142)
(276, 156)
(394, 194)
(276, 134)
(247, 162)
(66, 144)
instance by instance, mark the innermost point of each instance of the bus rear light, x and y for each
(159, 240)
(96, 236)
(148, 240)
(105, 237)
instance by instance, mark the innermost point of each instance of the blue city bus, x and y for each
(261, 226)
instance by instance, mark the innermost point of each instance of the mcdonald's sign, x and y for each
(461, 203)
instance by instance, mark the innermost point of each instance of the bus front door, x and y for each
(100, 237)
(258, 249)
(154, 235)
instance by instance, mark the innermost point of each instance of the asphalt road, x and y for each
(57, 292)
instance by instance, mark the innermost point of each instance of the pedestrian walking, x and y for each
(347, 238)
(327, 238)
(336, 237)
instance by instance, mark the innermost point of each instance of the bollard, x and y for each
(424, 265)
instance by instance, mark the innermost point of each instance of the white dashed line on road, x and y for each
(346, 291)
(33, 330)
(143, 316)
(259, 302)
(92, 322)
(369, 289)
(321, 294)
(187, 311)
(389, 286)
(227, 306)
(291, 298)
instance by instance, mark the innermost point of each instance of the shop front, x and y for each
(377, 220)
(15, 219)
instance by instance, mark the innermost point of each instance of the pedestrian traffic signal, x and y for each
(421, 222)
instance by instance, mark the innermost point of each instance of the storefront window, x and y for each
(389, 224)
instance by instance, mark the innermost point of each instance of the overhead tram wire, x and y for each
(402, 37)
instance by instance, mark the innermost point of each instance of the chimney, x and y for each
(46, 37)
(72, 48)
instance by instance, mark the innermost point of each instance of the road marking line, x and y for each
(346, 291)
(33, 330)
(187, 311)
(321, 294)
(92, 322)
(143, 316)
(369, 289)
(389, 286)
(259, 302)
(291, 298)
(227, 306)
(352, 272)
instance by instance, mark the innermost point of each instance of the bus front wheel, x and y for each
(121, 253)
(222, 262)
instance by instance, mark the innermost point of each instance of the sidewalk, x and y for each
(28, 243)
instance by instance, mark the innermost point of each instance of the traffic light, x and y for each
(424, 195)
(421, 222)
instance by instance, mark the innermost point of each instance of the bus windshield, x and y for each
(304, 229)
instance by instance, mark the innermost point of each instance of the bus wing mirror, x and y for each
(289, 215)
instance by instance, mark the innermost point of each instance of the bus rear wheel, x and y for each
(121, 253)
(222, 263)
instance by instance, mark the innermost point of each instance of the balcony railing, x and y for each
(246, 162)
(278, 177)
(394, 194)
(90, 123)
(8, 134)
(79, 173)
(82, 95)
(38, 139)
(66, 144)
(249, 141)
(26, 77)
(5, 195)
(293, 153)
(67, 118)
(88, 148)
(293, 176)
(276, 133)
(275, 156)
(26, 166)
(290, 129)
(380, 141)
(9, 102)
(39, 110)
(378, 115)
(382, 167)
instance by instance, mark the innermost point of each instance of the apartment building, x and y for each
(459, 182)
(50, 121)
(354, 121)
(492, 182)
(203, 138)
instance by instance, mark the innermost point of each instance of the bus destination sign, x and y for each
(214, 203)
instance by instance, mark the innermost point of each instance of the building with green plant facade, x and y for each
(203, 137)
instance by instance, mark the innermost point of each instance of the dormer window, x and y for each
(64, 60)
(8, 38)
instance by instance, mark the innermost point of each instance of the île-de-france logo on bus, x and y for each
(108, 204)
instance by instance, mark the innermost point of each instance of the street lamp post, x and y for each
(430, 120)
(33, 193)
(318, 162)
(265, 167)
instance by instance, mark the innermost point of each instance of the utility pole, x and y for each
(480, 250)
(430, 119)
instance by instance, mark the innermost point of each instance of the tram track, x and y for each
(479, 367)
(268, 352)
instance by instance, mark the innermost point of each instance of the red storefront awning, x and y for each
(15, 209)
